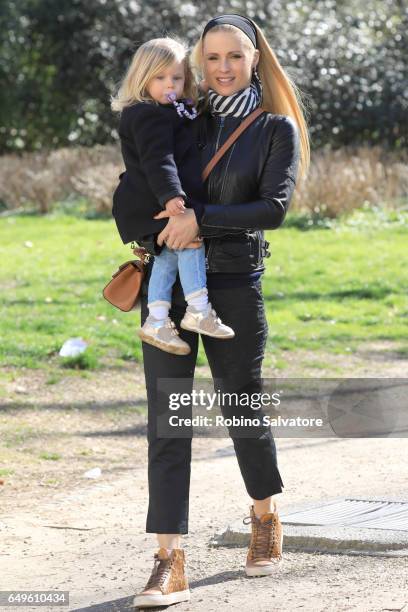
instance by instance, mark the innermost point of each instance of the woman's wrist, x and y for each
(198, 208)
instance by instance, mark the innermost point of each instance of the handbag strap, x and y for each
(140, 252)
(230, 141)
(135, 263)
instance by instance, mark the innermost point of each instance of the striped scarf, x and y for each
(239, 104)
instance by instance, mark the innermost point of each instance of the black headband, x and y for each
(239, 21)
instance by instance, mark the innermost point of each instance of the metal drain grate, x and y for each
(368, 513)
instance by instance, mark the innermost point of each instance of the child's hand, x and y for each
(175, 206)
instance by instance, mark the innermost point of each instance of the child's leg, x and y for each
(158, 329)
(191, 266)
(200, 317)
(161, 283)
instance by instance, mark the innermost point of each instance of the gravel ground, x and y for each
(91, 540)
(62, 531)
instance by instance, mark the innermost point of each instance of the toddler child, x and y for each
(163, 172)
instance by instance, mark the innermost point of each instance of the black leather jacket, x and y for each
(249, 190)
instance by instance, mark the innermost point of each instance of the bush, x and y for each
(41, 179)
(338, 182)
(343, 180)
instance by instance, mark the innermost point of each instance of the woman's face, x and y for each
(228, 61)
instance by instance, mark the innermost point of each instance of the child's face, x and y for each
(169, 80)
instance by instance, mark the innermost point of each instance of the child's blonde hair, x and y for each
(280, 94)
(149, 60)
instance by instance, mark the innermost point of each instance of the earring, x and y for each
(257, 81)
(257, 76)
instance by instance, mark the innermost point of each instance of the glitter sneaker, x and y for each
(167, 584)
(265, 548)
(206, 322)
(164, 336)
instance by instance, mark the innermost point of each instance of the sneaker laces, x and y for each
(170, 324)
(262, 538)
(213, 313)
(160, 571)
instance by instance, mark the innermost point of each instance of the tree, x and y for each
(61, 61)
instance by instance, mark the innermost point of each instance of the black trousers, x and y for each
(236, 366)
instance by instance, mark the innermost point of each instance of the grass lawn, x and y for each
(328, 289)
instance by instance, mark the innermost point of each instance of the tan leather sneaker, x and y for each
(207, 323)
(164, 337)
(167, 584)
(265, 548)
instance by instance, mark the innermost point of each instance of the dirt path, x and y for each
(90, 540)
(62, 531)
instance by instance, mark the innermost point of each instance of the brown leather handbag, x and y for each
(123, 291)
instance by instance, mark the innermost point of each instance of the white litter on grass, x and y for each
(73, 347)
(20, 389)
(94, 473)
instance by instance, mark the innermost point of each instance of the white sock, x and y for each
(200, 302)
(159, 312)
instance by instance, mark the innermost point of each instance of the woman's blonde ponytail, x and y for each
(281, 96)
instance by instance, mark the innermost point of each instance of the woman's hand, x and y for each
(179, 231)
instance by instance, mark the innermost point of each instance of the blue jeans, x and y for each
(189, 263)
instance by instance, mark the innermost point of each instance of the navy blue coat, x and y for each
(162, 160)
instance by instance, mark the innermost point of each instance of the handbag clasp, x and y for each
(265, 252)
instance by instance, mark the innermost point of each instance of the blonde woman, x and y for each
(248, 191)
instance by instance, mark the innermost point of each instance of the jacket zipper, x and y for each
(207, 264)
(222, 121)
